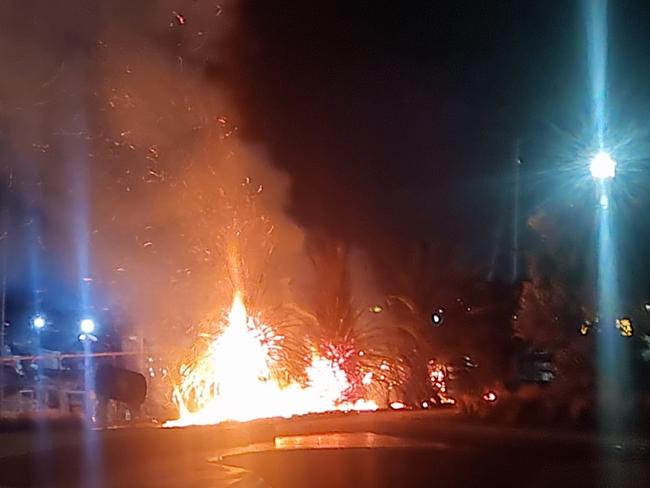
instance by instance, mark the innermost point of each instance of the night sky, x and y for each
(384, 124)
(404, 119)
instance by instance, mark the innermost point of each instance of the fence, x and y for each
(56, 397)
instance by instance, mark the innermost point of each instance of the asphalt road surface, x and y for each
(372, 449)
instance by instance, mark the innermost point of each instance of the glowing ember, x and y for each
(438, 380)
(235, 380)
(490, 396)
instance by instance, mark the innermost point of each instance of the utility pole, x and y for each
(5, 201)
(515, 212)
(4, 237)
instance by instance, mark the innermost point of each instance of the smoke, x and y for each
(119, 129)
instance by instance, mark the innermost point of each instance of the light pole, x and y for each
(38, 323)
(603, 170)
(3, 302)
(614, 377)
(87, 328)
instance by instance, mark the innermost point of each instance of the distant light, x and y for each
(425, 404)
(624, 325)
(87, 326)
(490, 396)
(397, 405)
(602, 166)
(38, 322)
(445, 400)
(436, 318)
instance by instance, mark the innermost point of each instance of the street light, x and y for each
(87, 326)
(602, 166)
(38, 322)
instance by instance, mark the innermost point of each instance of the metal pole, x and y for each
(515, 214)
(143, 362)
(3, 302)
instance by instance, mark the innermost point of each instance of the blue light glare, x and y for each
(604, 202)
(613, 365)
(612, 374)
(597, 56)
(38, 322)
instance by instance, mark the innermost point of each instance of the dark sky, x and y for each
(402, 118)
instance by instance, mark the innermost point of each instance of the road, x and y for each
(358, 449)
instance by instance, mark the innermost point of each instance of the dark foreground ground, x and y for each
(378, 449)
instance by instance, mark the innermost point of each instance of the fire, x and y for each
(438, 378)
(234, 379)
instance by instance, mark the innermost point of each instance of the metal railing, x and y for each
(11, 359)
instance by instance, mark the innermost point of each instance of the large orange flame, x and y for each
(233, 380)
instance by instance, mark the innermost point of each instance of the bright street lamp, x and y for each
(87, 326)
(38, 322)
(602, 166)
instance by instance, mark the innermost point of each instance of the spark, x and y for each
(180, 18)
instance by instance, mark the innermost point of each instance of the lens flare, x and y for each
(235, 379)
(602, 166)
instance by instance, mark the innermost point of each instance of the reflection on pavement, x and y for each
(338, 440)
(349, 441)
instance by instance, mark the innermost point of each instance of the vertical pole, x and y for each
(143, 361)
(3, 301)
(515, 214)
